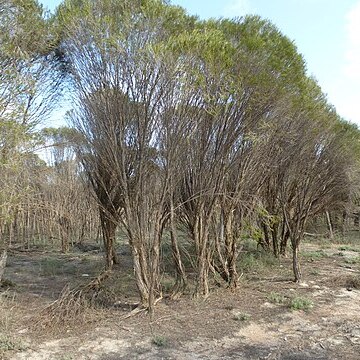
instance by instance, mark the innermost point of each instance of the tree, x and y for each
(310, 164)
(27, 82)
(127, 89)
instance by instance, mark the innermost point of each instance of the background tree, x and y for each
(27, 82)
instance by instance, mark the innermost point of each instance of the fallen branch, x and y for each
(139, 309)
(72, 304)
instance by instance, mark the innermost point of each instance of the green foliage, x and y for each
(314, 255)
(259, 41)
(349, 248)
(276, 298)
(353, 261)
(249, 245)
(27, 82)
(8, 343)
(26, 20)
(350, 238)
(256, 261)
(248, 262)
(159, 340)
(251, 232)
(300, 303)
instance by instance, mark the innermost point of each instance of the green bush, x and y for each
(300, 303)
(352, 261)
(257, 260)
(276, 298)
(8, 344)
(159, 340)
(348, 248)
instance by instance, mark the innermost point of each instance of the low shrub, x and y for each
(299, 303)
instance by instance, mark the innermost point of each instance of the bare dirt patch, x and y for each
(257, 321)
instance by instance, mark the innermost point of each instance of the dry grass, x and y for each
(352, 282)
(347, 281)
(7, 310)
(10, 317)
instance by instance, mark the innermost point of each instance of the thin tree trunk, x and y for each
(233, 274)
(343, 222)
(274, 235)
(180, 284)
(266, 236)
(155, 286)
(109, 231)
(3, 258)
(330, 227)
(64, 233)
(284, 240)
(296, 264)
(202, 284)
(142, 282)
(231, 252)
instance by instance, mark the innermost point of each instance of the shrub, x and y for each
(348, 248)
(159, 340)
(314, 255)
(257, 260)
(7, 344)
(276, 298)
(353, 261)
(300, 303)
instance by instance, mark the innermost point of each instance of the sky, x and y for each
(326, 33)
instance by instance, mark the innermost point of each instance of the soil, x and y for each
(255, 321)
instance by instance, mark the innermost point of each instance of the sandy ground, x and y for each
(254, 322)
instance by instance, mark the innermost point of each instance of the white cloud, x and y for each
(237, 8)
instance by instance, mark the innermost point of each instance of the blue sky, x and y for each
(326, 32)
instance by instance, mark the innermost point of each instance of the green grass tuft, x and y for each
(300, 303)
(276, 298)
(348, 248)
(315, 255)
(255, 261)
(159, 341)
(7, 344)
(352, 261)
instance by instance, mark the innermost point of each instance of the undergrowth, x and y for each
(300, 303)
